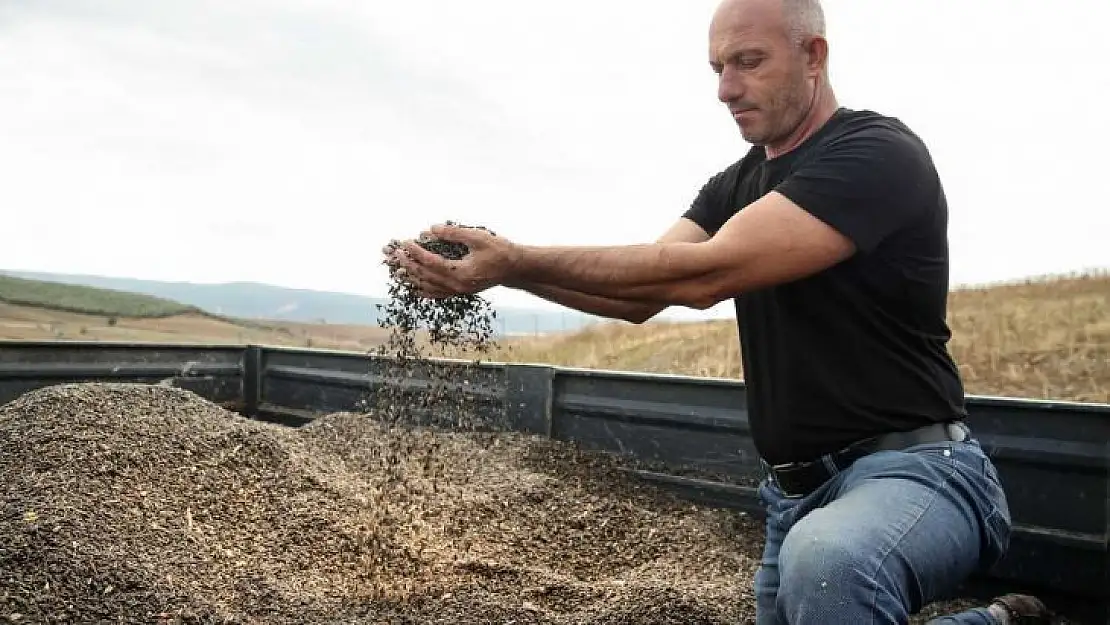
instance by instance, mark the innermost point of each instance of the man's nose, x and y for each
(729, 86)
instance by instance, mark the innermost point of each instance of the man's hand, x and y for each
(491, 261)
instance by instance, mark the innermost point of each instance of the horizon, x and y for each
(259, 142)
(548, 307)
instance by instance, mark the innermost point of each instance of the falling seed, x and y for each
(458, 324)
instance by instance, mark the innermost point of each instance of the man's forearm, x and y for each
(636, 311)
(658, 274)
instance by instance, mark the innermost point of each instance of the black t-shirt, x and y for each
(860, 348)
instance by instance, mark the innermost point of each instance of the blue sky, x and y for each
(285, 141)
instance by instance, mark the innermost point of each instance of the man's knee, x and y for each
(833, 574)
(817, 565)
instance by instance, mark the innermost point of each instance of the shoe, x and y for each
(1023, 609)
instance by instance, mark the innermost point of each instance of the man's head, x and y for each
(771, 58)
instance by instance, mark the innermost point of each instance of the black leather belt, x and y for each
(798, 479)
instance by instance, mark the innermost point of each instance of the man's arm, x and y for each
(771, 241)
(855, 195)
(633, 310)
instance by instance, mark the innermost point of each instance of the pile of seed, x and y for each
(133, 503)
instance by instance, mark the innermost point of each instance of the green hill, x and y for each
(87, 300)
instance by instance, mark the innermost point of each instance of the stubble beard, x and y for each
(786, 111)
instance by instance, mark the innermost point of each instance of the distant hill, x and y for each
(264, 301)
(86, 300)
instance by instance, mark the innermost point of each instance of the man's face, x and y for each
(763, 75)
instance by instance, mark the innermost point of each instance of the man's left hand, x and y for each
(491, 261)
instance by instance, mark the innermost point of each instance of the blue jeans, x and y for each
(894, 532)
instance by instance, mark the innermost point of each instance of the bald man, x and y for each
(830, 238)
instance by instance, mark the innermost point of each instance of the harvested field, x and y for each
(130, 503)
(1042, 339)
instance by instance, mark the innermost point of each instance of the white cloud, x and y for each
(314, 131)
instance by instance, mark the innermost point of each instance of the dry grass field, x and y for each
(32, 323)
(1047, 338)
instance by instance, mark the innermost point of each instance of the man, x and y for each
(830, 236)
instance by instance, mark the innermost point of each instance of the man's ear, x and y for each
(817, 55)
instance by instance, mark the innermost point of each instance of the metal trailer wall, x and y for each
(216, 371)
(1052, 456)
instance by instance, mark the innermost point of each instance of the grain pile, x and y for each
(133, 503)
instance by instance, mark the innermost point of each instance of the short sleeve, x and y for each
(868, 184)
(711, 207)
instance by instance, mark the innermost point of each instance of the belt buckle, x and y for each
(772, 474)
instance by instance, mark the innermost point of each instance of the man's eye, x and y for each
(749, 62)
